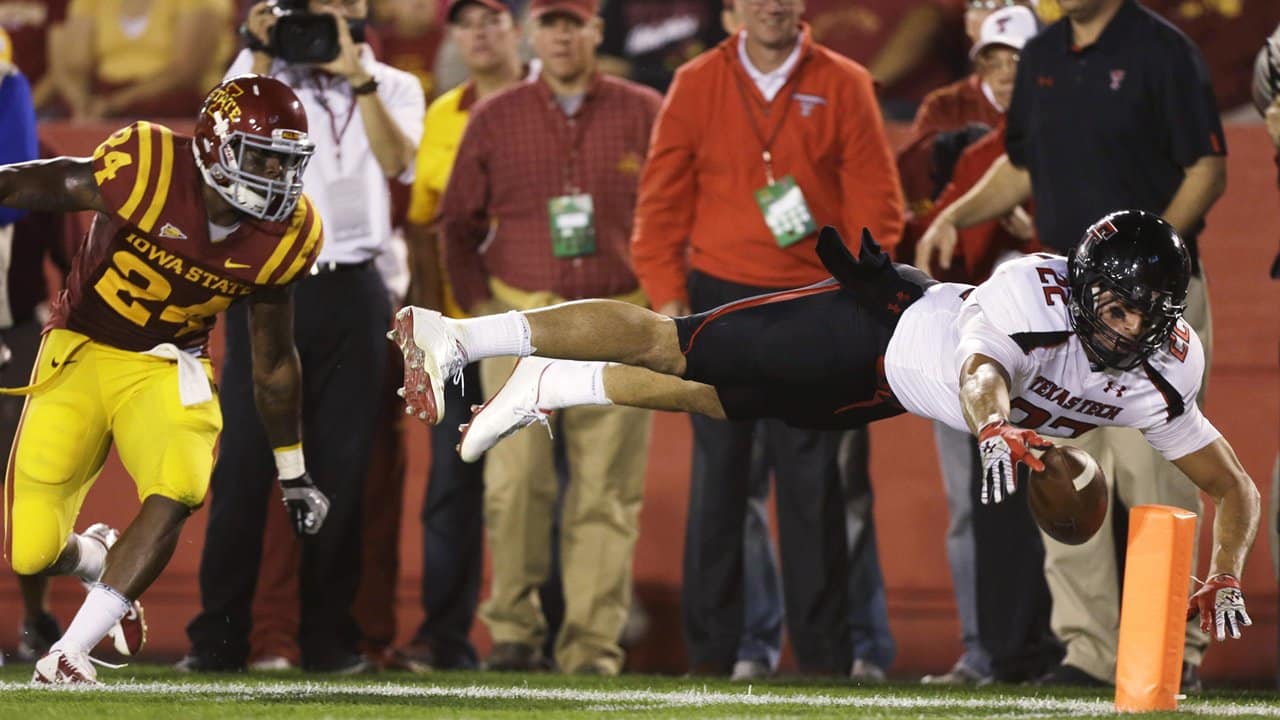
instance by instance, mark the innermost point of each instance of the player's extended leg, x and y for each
(437, 348)
(539, 385)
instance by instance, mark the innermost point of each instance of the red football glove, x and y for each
(1220, 602)
(1002, 446)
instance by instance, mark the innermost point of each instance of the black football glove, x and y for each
(306, 505)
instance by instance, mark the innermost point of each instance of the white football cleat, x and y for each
(513, 407)
(431, 354)
(130, 634)
(61, 667)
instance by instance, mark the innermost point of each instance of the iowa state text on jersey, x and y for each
(149, 273)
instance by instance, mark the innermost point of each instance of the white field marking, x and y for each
(634, 700)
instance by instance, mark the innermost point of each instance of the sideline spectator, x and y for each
(127, 58)
(994, 550)
(538, 209)
(367, 117)
(911, 47)
(34, 27)
(777, 92)
(487, 38)
(410, 35)
(646, 40)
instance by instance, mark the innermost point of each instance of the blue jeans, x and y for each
(867, 610)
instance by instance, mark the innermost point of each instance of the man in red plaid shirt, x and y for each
(539, 210)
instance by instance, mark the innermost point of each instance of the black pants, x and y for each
(811, 525)
(1012, 595)
(452, 534)
(340, 321)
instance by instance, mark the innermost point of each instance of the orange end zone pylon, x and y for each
(1153, 610)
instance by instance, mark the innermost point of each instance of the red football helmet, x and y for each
(251, 145)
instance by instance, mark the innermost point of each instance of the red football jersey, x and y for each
(148, 273)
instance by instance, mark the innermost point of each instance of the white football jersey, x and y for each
(1020, 319)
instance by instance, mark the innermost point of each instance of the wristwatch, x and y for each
(366, 88)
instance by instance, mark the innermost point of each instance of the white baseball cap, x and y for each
(1012, 26)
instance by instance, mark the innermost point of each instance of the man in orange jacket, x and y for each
(728, 209)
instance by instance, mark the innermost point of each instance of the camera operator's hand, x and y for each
(258, 24)
(347, 65)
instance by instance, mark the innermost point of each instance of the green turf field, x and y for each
(157, 692)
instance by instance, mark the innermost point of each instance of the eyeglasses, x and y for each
(991, 4)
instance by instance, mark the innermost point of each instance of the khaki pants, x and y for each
(607, 448)
(1083, 579)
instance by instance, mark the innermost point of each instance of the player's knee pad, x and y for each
(38, 538)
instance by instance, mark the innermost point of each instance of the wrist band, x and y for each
(289, 462)
(365, 88)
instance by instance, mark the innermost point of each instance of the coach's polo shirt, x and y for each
(1112, 125)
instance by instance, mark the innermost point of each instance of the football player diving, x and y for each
(1036, 349)
(184, 227)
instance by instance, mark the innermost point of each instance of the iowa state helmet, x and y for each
(251, 145)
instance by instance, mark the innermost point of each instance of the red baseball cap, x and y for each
(456, 5)
(583, 10)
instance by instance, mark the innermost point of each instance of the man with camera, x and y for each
(368, 119)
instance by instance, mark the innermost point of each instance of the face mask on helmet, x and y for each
(1120, 328)
(260, 176)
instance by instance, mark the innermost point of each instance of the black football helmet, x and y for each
(1144, 264)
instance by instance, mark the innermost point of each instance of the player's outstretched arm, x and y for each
(62, 184)
(277, 390)
(984, 398)
(1216, 470)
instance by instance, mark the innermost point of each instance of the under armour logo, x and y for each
(1116, 388)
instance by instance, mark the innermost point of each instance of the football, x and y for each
(1068, 498)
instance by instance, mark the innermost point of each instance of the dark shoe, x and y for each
(515, 657)
(1191, 678)
(1065, 674)
(194, 663)
(35, 637)
(353, 664)
(413, 658)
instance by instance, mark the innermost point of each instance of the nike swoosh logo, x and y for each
(55, 362)
(233, 265)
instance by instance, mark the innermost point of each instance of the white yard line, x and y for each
(640, 700)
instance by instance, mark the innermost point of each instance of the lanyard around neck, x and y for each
(766, 144)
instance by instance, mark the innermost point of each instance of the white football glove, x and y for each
(1220, 603)
(1002, 446)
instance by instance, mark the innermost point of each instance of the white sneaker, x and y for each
(513, 407)
(130, 634)
(431, 354)
(60, 667)
(747, 670)
(865, 671)
(271, 663)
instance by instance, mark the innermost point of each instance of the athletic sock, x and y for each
(93, 557)
(102, 609)
(569, 383)
(493, 335)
